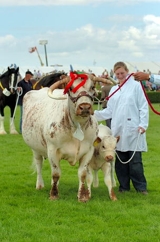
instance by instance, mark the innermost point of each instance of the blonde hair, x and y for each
(119, 65)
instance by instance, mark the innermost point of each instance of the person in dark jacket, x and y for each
(24, 86)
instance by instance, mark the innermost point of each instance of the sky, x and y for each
(83, 33)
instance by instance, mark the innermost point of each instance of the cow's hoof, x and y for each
(114, 199)
(14, 132)
(39, 187)
(3, 132)
(83, 199)
(53, 197)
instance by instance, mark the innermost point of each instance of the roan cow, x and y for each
(62, 129)
(103, 158)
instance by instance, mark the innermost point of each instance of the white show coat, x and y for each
(128, 109)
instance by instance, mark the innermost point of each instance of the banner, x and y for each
(32, 49)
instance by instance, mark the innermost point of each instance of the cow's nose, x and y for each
(84, 110)
(109, 158)
(85, 107)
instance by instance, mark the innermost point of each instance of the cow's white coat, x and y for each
(48, 128)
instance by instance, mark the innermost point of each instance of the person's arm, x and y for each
(141, 76)
(155, 79)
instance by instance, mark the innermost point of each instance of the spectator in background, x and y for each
(148, 71)
(24, 86)
(38, 74)
(111, 73)
(35, 74)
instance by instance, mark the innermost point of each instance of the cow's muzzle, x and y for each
(84, 110)
(109, 158)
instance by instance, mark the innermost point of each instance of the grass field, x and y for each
(27, 215)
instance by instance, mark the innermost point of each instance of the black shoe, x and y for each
(122, 191)
(143, 192)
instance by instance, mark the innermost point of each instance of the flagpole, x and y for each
(39, 57)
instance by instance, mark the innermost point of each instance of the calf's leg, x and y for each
(106, 168)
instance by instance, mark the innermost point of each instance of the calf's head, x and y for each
(106, 147)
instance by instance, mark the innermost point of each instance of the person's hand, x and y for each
(141, 130)
(19, 89)
(141, 76)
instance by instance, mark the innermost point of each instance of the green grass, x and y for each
(27, 215)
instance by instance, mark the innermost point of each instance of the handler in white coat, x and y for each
(128, 109)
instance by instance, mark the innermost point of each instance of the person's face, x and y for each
(28, 76)
(121, 74)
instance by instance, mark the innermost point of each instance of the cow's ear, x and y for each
(118, 138)
(96, 142)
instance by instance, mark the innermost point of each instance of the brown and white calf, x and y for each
(103, 158)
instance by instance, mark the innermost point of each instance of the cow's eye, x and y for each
(103, 147)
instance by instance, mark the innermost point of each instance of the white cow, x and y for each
(103, 158)
(62, 129)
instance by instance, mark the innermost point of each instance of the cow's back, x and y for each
(39, 113)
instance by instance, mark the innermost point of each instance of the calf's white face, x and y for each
(107, 147)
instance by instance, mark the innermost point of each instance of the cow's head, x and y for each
(81, 91)
(106, 147)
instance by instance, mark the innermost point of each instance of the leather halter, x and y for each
(81, 94)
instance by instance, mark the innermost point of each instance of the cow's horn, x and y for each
(109, 80)
(56, 85)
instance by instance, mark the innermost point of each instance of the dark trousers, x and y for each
(108, 123)
(132, 171)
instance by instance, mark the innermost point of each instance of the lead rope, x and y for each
(149, 102)
(125, 162)
(19, 93)
(99, 103)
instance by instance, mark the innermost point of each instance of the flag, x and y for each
(32, 49)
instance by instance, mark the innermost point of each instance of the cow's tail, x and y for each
(33, 166)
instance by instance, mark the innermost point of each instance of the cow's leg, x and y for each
(112, 173)
(106, 168)
(95, 178)
(56, 173)
(89, 179)
(2, 130)
(83, 193)
(12, 127)
(85, 177)
(38, 161)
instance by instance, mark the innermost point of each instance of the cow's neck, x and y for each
(75, 120)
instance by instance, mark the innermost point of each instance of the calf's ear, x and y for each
(96, 142)
(118, 138)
